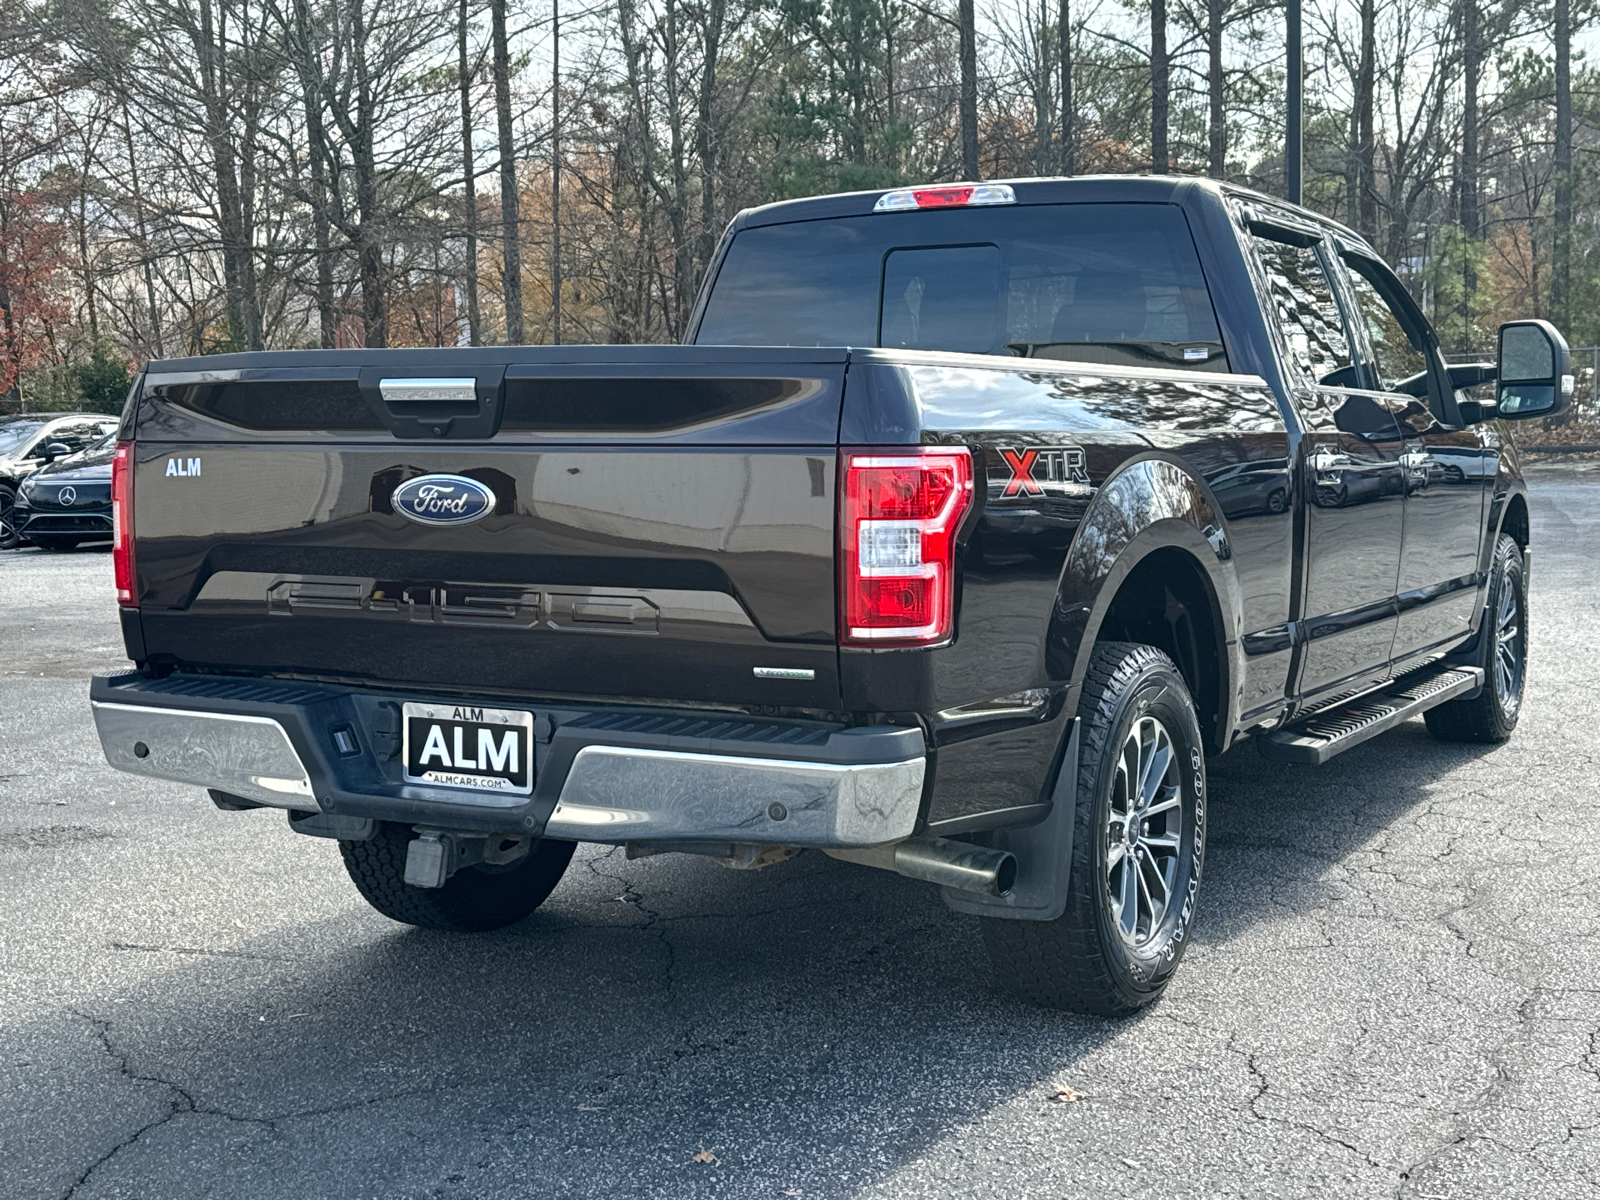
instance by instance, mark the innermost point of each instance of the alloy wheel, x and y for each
(1508, 646)
(1143, 831)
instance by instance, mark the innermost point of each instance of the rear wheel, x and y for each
(473, 900)
(8, 528)
(1492, 714)
(1137, 851)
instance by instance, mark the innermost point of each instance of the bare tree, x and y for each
(510, 219)
(1561, 248)
(1363, 119)
(469, 179)
(1160, 87)
(969, 89)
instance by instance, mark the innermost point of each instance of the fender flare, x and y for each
(1506, 489)
(1153, 502)
(1509, 486)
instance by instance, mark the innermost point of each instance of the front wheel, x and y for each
(1492, 714)
(8, 522)
(473, 900)
(1137, 851)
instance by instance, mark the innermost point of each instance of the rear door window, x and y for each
(1117, 284)
(1302, 300)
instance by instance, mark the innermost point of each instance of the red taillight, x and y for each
(122, 524)
(897, 532)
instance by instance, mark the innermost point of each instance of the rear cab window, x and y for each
(1113, 284)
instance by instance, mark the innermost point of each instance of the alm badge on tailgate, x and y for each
(464, 746)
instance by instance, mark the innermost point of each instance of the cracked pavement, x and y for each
(1394, 988)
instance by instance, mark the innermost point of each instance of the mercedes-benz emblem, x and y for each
(68, 495)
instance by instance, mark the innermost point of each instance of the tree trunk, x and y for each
(229, 222)
(1471, 53)
(469, 182)
(1352, 173)
(555, 171)
(890, 16)
(969, 90)
(715, 13)
(309, 65)
(250, 128)
(1216, 160)
(1159, 89)
(144, 238)
(1294, 128)
(1069, 149)
(511, 267)
(374, 309)
(1044, 109)
(83, 255)
(677, 200)
(1561, 244)
(1366, 86)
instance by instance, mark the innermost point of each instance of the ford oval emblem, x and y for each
(443, 500)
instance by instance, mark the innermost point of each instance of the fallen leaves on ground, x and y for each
(1067, 1096)
(705, 1156)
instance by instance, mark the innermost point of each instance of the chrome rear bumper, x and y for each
(682, 778)
(618, 794)
(242, 755)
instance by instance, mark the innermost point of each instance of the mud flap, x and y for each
(1044, 854)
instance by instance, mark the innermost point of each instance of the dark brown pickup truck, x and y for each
(970, 521)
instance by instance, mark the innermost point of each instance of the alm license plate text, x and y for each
(464, 746)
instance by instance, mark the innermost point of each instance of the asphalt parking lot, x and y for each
(1394, 988)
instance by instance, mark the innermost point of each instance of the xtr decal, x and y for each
(1035, 470)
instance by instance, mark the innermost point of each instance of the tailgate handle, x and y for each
(422, 391)
(433, 407)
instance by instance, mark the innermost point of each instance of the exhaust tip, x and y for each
(1005, 875)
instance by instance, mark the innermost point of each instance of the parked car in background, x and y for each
(68, 502)
(32, 441)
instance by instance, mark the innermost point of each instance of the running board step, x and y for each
(1318, 738)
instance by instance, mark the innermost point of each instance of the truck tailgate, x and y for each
(662, 524)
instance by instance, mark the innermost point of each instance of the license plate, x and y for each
(464, 746)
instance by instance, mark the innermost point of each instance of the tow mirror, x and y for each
(1535, 370)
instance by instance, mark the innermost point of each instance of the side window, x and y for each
(1396, 357)
(1303, 302)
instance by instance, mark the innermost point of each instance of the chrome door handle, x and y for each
(1328, 462)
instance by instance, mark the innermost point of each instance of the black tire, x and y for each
(1081, 962)
(9, 539)
(472, 900)
(1492, 714)
(46, 542)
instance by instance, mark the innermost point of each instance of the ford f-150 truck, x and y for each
(968, 522)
